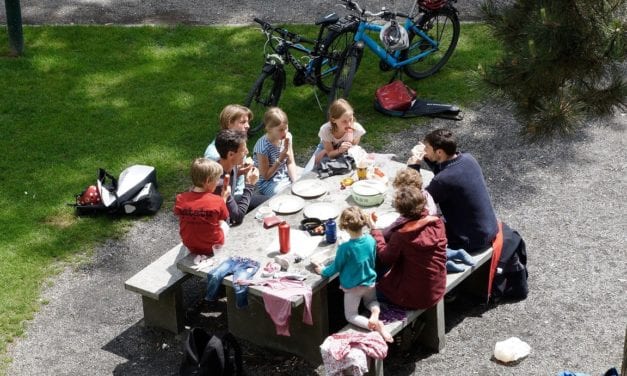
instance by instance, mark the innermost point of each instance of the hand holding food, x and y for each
(344, 146)
(253, 176)
(245, 167)
(371, 220)
(418, 151)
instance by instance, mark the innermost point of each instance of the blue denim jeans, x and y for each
(241, 268)
(453, 255)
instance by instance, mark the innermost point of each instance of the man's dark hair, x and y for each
(229, 140)
(442, 139)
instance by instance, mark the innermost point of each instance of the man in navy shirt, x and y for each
(459, 188)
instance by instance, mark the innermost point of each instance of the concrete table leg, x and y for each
(255, 325)
(167, 312)
(432, 335)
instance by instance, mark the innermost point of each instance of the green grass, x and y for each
(84, 97)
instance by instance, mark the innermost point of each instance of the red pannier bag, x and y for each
(395, 96)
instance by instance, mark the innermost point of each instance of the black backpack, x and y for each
(134, 193)
(206, 354)
(510, 281)
(421, 107)
(340, 165)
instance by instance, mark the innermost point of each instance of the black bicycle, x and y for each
(320, 60)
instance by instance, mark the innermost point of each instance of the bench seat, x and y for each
(159, 284)
(432, 334)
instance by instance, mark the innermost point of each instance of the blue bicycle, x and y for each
(431, 37)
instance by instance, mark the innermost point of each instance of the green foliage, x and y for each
(561, 60)
(84, 97)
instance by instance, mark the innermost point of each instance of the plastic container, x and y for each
(284, 237)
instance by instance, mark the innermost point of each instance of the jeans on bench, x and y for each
(241, 268)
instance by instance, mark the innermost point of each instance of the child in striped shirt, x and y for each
(273, 154)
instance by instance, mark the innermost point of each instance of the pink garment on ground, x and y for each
(276, 297)
(348, 351)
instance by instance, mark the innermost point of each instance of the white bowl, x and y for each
(368, 192)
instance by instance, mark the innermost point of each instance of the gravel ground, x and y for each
(565, 196)
(195, 12)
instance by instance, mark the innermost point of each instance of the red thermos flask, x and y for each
(284, 237)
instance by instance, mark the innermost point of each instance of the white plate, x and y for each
(321, 210)
(286, 204)
(386, 219)
(309, 188)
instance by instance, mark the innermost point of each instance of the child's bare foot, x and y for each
(387, 337)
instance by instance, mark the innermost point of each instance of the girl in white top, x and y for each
(273, 154)
(340, 132)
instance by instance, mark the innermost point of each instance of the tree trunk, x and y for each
(14, 27)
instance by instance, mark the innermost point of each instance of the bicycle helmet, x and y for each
(90, 196)
(394, 37)
(432, 4)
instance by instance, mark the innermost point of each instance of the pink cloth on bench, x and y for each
(348, 351)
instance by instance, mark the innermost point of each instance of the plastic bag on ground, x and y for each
(511, 350)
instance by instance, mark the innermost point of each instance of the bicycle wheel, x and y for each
(443, 28)
(336, 43)
(265, 93)
(345, 74)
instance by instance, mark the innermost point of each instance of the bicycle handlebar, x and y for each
(286, 34)
(385, 14)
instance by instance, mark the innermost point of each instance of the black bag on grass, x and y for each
(420, 107)
(134, 193)
(205, 354)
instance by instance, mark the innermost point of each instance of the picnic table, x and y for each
(252, 240)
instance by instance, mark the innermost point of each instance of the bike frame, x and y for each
(392, 59)
(282, 49)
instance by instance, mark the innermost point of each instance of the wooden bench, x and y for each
(160, 287)
(432, 334)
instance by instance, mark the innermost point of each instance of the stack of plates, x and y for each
(286, 204)
(309, 188)
(321, 210)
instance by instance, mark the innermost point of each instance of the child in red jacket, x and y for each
(202, 214)
(414, 254)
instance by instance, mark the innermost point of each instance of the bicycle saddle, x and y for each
(329, 19)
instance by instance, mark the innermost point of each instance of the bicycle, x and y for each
(432, 37)
(322, 60)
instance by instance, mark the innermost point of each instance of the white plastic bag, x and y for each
(511, 350)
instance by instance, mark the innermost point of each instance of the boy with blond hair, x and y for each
(202, 214)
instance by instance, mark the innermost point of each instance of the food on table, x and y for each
(346, 182)
(378, 172)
